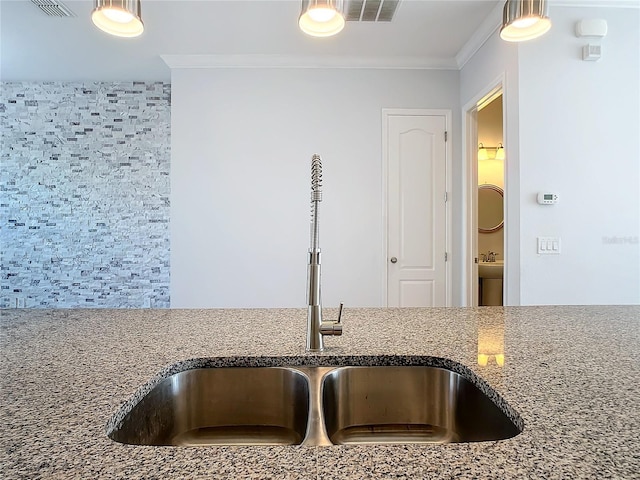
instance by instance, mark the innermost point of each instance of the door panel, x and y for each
(416, 222)
(410, 290)
(416, 180)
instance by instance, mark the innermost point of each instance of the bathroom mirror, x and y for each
(490, 208)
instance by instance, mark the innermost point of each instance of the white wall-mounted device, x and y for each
(591, 52)
(591, 27)
(594, 29)
(546, 198)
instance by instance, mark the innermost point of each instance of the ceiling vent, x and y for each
(53, 8)
(371, 10)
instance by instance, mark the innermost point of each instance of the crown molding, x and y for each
(493, 21)
(488, 27)
(302, 61)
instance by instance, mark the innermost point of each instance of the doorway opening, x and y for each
(490, 206)
(486, 188)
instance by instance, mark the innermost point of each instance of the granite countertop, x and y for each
(570, 372)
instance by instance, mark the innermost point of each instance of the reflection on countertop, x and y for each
(570, 372)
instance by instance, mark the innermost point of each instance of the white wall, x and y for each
(571, 127)
(579, 134)
(242, 140)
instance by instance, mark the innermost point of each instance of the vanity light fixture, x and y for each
(524, 20)
(483, 152)
(321, 18)
(121, 18)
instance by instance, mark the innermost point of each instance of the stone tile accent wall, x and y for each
(84, 194)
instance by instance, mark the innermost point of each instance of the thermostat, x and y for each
(545, 198)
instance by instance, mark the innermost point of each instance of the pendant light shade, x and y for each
(500, 152)
(118, 17)
(321, 18)
(524, 20)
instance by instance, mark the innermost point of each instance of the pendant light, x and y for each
(500, 152)
(524, 20)
(118, 17)
(321, 18)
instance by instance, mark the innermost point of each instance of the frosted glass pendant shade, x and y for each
(524, 20)
(321, 18)
(118, 17)
(482, 153)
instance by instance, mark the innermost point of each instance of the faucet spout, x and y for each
(316, 328)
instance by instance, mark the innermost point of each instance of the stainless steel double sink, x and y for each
(315, 405)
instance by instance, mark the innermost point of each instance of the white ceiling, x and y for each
(36, 47)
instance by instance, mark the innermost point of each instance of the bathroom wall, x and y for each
(577, 127)
(491, 170)
(242, 141)
(84, 215)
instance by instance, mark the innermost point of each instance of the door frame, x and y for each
(470, 189)
(386, 113)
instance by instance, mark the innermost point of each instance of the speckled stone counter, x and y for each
(570, 372)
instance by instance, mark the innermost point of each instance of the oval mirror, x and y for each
(490, 208)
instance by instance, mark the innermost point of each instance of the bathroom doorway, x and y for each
(486, 155)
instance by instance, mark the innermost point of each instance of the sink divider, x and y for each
(316, 431)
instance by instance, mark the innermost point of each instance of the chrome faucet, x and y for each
(316, 328)
(489, 257)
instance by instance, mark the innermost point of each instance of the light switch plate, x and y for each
(549, 245)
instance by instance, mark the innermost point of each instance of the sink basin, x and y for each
(312, 405)
(391, 405)
(221, 406)
(491, 269)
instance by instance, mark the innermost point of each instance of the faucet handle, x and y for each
(333, 328)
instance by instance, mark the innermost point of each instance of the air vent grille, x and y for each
(53, 8)
(371, 10)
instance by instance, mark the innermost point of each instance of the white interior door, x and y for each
(416, 210)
